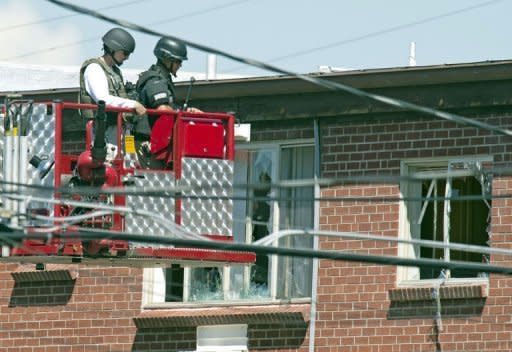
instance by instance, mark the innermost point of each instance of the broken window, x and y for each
(449, 202)
(257, 212)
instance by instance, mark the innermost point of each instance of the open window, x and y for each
(461, 216)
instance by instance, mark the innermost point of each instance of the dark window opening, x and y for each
(468, 224)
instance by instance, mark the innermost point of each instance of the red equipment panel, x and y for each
(203, 139)
(162, 133)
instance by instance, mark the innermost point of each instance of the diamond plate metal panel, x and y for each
(41, 136)
(163, 206)
(130, 161)
(2, 116)
(207, 178)
(41, 142)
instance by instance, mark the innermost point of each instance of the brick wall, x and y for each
(165, 339)
(95, 309)
(278, 337)
(77, 308)
(355, 312)
(91, 310)
(281, 131)
(268, 337)
(377, 146)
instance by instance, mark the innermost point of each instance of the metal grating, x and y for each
(157, 205)
(41, 142)
(211, 181)
(2, 116)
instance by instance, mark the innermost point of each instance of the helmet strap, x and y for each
(117, 62)
(167, 63)
(172, 71)
(110, 53)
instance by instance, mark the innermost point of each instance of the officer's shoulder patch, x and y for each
(160, 96)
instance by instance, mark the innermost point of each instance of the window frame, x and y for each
(405, 275)
(153, 295)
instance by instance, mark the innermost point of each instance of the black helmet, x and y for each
(172, 49)
(119, 39)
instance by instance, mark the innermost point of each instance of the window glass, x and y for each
(257, 212)
(455, 218)
(296, 212)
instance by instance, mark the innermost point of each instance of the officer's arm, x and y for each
(96, 85)
(156, 93)
(165, 107)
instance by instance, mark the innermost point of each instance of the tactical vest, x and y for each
(155, 72)
(115, 87)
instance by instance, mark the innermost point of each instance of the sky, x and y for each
(298, 36)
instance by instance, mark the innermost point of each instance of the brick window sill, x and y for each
(446, 291)
(253, 314)
(52, 272)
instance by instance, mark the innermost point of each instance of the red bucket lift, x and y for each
(189, 193)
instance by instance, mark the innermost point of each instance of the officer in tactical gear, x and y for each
(101, 79)
(156, 90)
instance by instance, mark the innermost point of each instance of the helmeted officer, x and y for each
(155, 89)
(155, 86)
(101, 78)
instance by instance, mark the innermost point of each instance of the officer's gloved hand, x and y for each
(139, 109)
(111, 153)
(194, 110)
(146, 147)
(165, 108)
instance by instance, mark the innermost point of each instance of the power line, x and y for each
(378, 33)
(208, 191)
(167, 20)
(199, 12)
(35, 52)
(160, 219)
(94, 234)
(330, 85)
(276, 236)
(275, 59)
(16, 191)
(284, 184)
(52, 19)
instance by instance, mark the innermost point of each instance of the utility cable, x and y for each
(51, 19)
(349, 199)
(175, 229)
(90, 39)
(378, 33)
(199, 12)
(275, 236)
(94, 234)
(271, 238)
(284, 184)
(170, 193)
(330, 85)
(64, 222)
